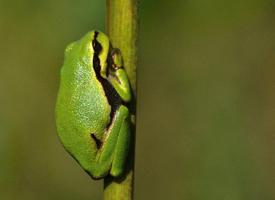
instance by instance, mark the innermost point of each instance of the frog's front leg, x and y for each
(113, 152)
(117, 75)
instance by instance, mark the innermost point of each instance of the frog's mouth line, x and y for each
(111, 94)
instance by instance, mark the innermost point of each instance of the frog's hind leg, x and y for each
(114, 141)
(122, 148)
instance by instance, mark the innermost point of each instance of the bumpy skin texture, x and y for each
(97, 139)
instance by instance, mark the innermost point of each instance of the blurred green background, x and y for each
(206, 100)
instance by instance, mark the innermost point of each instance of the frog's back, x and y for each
(81, 108)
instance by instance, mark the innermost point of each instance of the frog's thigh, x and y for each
(106, 153)
(122, 147)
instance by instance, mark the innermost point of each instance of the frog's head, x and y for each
(93, 45)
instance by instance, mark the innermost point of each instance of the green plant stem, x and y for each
(122, 31)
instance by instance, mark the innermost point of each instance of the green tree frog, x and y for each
(92, 116)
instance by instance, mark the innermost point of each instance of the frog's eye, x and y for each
(115, 59)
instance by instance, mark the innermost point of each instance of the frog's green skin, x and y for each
(91, 116)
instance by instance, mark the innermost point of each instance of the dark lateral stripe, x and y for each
(96, 45)
(97, 141)
(111, 94)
